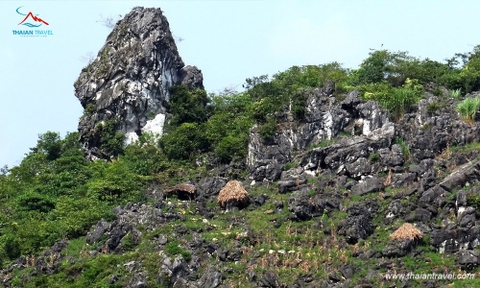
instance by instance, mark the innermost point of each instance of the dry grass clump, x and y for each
(406, 231)
(233, 191)
(183, 190)
(184, 187)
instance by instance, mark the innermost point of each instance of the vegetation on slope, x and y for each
(56, 194)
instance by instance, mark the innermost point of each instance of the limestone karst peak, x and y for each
(127, 85)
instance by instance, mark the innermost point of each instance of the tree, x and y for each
(184, 142)
(50, 144)
(188, 106)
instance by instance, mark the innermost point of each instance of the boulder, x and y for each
(369, 185)
(98, 231)
(468, 259)
(212, 278)
(358, 224)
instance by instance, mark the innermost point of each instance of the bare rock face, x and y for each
(325, 118)
(129, 81)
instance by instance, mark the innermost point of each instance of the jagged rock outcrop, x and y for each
(358, 224)
(429, 133)
(129, 80)
(325, 118)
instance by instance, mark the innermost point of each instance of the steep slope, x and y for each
(355, 208)
(319, 177)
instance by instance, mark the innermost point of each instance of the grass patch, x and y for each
(468, 108)
(74, 247)
(374, 157)
(407, 155)
(322, 144)
(455, 94)
(173, 249)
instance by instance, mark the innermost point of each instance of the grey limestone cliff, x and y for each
(129, 80)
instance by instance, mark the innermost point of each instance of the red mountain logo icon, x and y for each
(34, 18)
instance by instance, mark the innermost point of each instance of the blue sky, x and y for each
(228, 40)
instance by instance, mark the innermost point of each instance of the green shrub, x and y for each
(376, 91)
(128, 242)
(188, 106)
(145, 158)
(12, 248)
(437, 91)
(397, 101)
(374, 157)
(468, 108)
(89, 109)
(473, 199)
(405, 149)
(323, 143)
(112, 182)
(173, 249)
(455, 94)
(435, 106)
(184, 142)
(111, 141)
(268, 129)
(231, 147)
(32, 201)
(400, 103)
(288, 166)
(73, 217)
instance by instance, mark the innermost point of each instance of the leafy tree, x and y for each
(188, 106)
(32, 201)
(470, 75)
(383, 65)
(184, 142)
(254, 81)
(230, 147)
(397, 101)
(32, 165)
(49, 143)
(374, 68)
(227, 129)
(112, 182)
(12, 248)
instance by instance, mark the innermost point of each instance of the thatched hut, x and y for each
(406, 231)
(184, 191)
(233, 195)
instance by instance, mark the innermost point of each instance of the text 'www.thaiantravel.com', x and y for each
(428, 276)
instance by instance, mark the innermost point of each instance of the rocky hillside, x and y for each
(319, 176)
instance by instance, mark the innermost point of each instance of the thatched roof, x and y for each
(406, 231)
(233, 191)
(183, 187)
